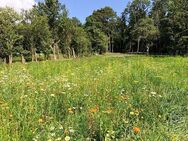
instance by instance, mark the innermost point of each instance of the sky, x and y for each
(77, 8)
(83, 8)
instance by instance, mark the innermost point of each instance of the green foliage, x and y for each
(8, 33)
(81, 42)
(40, 33)
(164, 19)
(102, 20)
(99, 41)
(157, 26)
(53, 9)
(146, 29)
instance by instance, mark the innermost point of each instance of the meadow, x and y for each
(100, 98)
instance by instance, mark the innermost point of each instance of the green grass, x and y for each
(102, 98)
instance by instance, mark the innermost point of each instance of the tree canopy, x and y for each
(145, 26)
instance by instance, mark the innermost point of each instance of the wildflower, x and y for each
(61, 127)
(40, 120)
(88, 139)
(126, 121)
(71, 130)
(34, 139)
(153, 93)
(42, 89)
(160, 96)
(94, 110)
(131, 113)
(52, 128)
(124, 97)
(70, 110)
(67, 138)
(66, 131)
(52, 95)
(10, 115)
(136, 130)
(58, 139)
(108, 111)
(136, 82)
(137, 112)
(107, 135)
(53, 134)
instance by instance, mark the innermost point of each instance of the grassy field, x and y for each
(126, 98)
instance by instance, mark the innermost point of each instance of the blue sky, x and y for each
(77, 8)
(83, 8)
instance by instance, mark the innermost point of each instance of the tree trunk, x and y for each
(35, 54)
(130, 46)
(10, 59)
(58, 52)
(55, 50)
(147, 49)
(54, 53)
(4, 60)
(109, 44)
(112, 47)
(73, 53)
(22, 59)
(32, 54)
(138, 48)
(69, 52)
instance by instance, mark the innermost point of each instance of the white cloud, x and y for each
(18, 5)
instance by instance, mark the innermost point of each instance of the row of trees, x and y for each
(149, 26)
(46, 30)
(155, 26)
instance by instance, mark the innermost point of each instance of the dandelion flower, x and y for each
(136, 130)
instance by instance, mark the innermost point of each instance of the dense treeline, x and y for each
(145, 26)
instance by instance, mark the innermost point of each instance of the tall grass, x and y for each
(97, 98)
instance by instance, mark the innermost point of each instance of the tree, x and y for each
(66, 31)
(145, 29)
(81, 42)
(178, 14)
(54, 11)
(99, 41)
(131, 16)
(36, 33)
(105, 20)
(8, 33)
